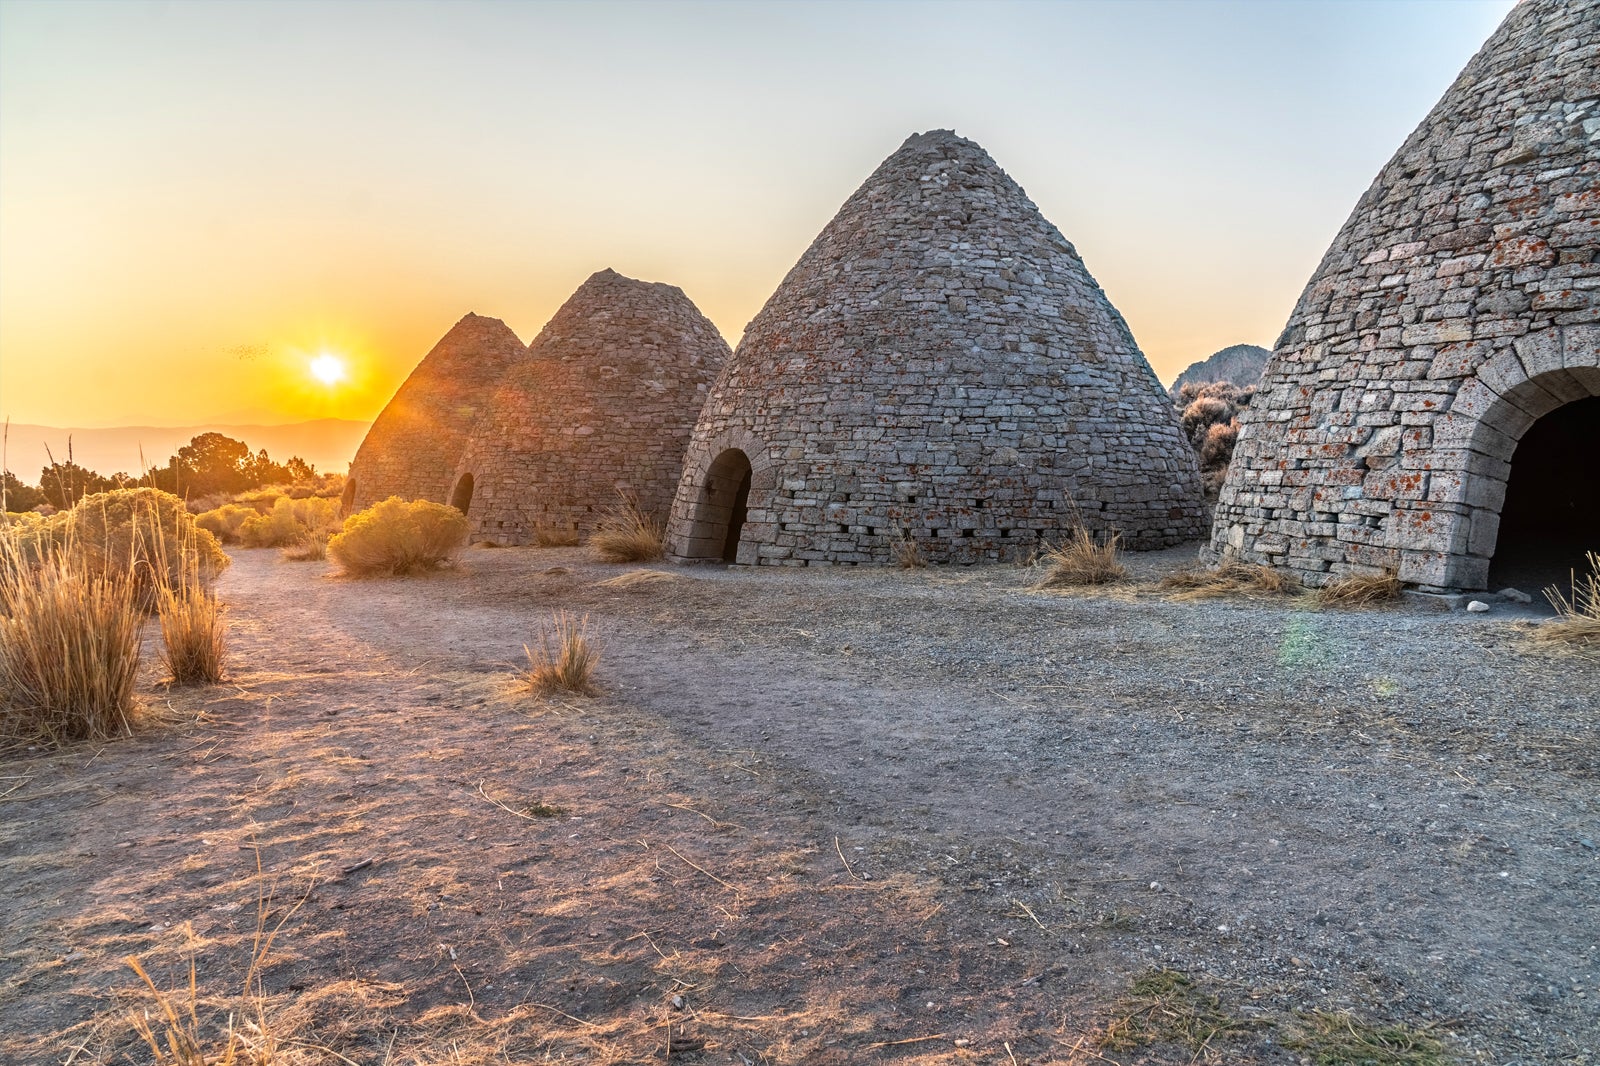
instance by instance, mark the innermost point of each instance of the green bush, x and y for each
(399, 537)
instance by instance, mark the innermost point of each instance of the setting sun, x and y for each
(328, 369)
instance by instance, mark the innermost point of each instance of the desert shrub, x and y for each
(291, 522)
(1083, 561)
(69, 648)
(1216, 452)
(1361, 590)
(1232, 578)
(1578, 617)
(1209, 416)
(399, 537)
(145, 533)
(225, 522)
(563, 656)
(275, 529)
(625, 534)
(1200, 416)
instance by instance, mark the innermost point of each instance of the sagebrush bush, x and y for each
(563, 657)
(1201, 415)
(1209, 417)
(224, 522)
(625, 534)
(144, 533)
(399, 537)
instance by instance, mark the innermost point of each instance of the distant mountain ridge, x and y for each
(326, 443)
(1240, 363)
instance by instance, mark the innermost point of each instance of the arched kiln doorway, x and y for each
(348, 498)
(720, 512)
(461, 498)
(1551, 514)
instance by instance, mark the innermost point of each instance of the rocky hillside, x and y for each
(1241, 364)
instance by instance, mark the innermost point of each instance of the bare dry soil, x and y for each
(819, 816)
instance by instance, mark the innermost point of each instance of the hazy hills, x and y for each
(327, 443)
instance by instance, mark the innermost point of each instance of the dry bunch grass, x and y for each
(908, 553)
(69, 652)
(563, 657)
(1578, 618)
(549, 536)
(635, 578)
(1361, 590)
(625, 534)
(312, 548)
(191, 635)
(1229, 579)
(178, 1035)
(1082, 561)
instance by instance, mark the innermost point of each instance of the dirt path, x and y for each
(820, 814)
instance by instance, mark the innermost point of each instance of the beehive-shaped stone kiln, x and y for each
(940, 367)
(1434, 402)
(414, 447)
(599, 411)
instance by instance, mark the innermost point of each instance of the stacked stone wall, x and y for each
(600, 410)
(415, 444)
(938, 366)
(1456, 307)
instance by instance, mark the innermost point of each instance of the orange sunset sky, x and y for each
(198, 199)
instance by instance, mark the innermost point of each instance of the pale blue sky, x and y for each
(182, 184)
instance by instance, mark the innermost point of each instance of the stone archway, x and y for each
(721, 509)
(461, 498)
(1540, 392)
(1550, 517)
(348, 498)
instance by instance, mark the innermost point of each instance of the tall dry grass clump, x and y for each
(1081, 560)
(1232, 578)
(1578, 617)
(907, 553)
(74, 592)
(563, 657)
(69, 650)
(1362, 590)
(192, 641)
(399, 537)
(625, 534)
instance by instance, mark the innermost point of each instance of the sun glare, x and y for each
(328, 369)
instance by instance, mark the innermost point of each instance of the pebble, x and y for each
(1477, 606)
